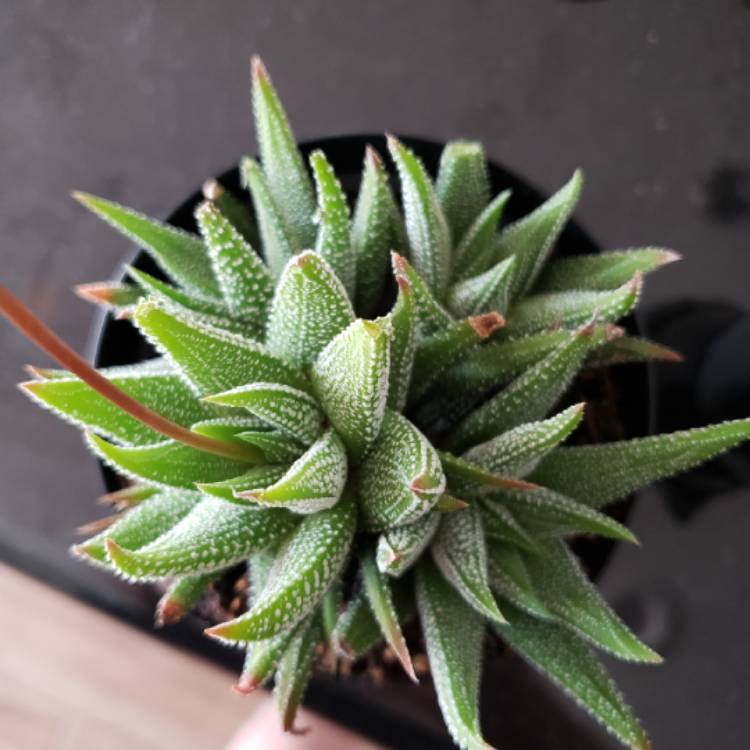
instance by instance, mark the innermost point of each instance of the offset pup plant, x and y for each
(375, 452)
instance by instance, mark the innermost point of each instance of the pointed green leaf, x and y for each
(438, 352)
(631, 464)
(548, 513)
(378, 592)
(463, 186)
(288, 180)
(519, 450)
(292, 411)
(166, 464)
(357, 631)
(403, 324)
(531, 238)
(179, 254)
(529, 397)
(294, 672)
(571, 309)
(476, 249)
(309, 562)
(276, 446)
(181, 596)
(142, 524)
(212, 360)
(465, 475)
(229, 429)
(485, 291)
(509, 577)
(279, 245)
(568, 594)
(571, 664)
(401, 478)
(453, 634)
(375, 232)
(460, 551)
(629, 349)
(245, 282)
(237, 212)
(310, 307)
(262, 659)
(351, 378)
(155, 386)
(212, 536)
(426, 227)
(314, 482)
(500, 524)
(259, 476)
(334, 240)
(432, 316)
(118, 296)
(602, 271)
(401, 546)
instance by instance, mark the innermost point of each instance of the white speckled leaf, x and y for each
(309, 562)
(166, 464)
(631, 464)
(229, 428)
(401, 478)
(510, 578)
(314, 482)
(295, 670)
(245, 282)
(157, 387)
(334, 240)
(236, 211)
(519, 450)
(292, 411)
(603, 270)
(284, 169)
(570, 309)
(630, 349)
(531, 238)
(181, 596)
(179, 254)
(351, 379)
(566, 591)
(476, 249)
(527, 398)
(426, 227)
(142, 524)
(310, 307)
(377, 228)
(401, 546)
(453, 634)
(378, 592)
(210, 359)
(403, 324)
(459, 550)
(462, 185)
(276, 236)
(486, 291)
(571, 664)
(545, 512)
(212, 536)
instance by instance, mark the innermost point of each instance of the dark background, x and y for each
(140, 101)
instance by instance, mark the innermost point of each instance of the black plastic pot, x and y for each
(520, 710)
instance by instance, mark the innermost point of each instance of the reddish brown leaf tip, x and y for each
(486, 324)
(246, 685)
(100, 524)
(670, 256)
(372, 157)
(40, 373)
(79, 550)
(258, 69)
(96, 292)
(613, 332)
(168, 612)
(211, 190)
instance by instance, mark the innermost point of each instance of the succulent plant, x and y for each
(373, 433)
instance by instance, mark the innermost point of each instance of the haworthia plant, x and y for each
(370, 468)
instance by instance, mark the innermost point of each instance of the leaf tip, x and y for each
(211, 190)
(168, 612)
(485, 325)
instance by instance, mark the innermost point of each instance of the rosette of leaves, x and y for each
(377, 435)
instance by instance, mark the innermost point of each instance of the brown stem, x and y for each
(34, 330)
